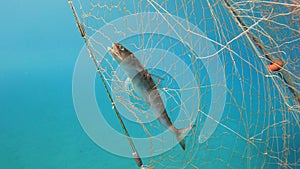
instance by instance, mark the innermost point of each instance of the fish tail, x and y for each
(181, 134)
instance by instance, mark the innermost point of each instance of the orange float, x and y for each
(275, 65)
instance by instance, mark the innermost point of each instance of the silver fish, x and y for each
(144, 85)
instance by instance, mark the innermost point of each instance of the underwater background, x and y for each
(38, 125)
(39, 128)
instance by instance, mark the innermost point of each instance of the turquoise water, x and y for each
(38, 125)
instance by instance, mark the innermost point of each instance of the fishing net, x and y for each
(211, 61)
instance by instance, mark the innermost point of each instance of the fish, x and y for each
(146, 88)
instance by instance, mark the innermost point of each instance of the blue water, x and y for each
(38, 124)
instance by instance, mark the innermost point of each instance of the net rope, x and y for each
(260, 123)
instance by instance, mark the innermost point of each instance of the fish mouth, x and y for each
(114, 50)
(116, 53)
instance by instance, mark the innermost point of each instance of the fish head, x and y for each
(119, 52)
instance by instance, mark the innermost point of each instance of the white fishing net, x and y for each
(210, 61)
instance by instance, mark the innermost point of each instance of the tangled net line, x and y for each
(260, 126)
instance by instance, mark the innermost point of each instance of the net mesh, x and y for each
(259, 126)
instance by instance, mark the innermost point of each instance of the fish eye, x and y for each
(122, 48)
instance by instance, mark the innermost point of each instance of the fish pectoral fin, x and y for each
(181, 134)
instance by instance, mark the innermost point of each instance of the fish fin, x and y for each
(181, 134)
